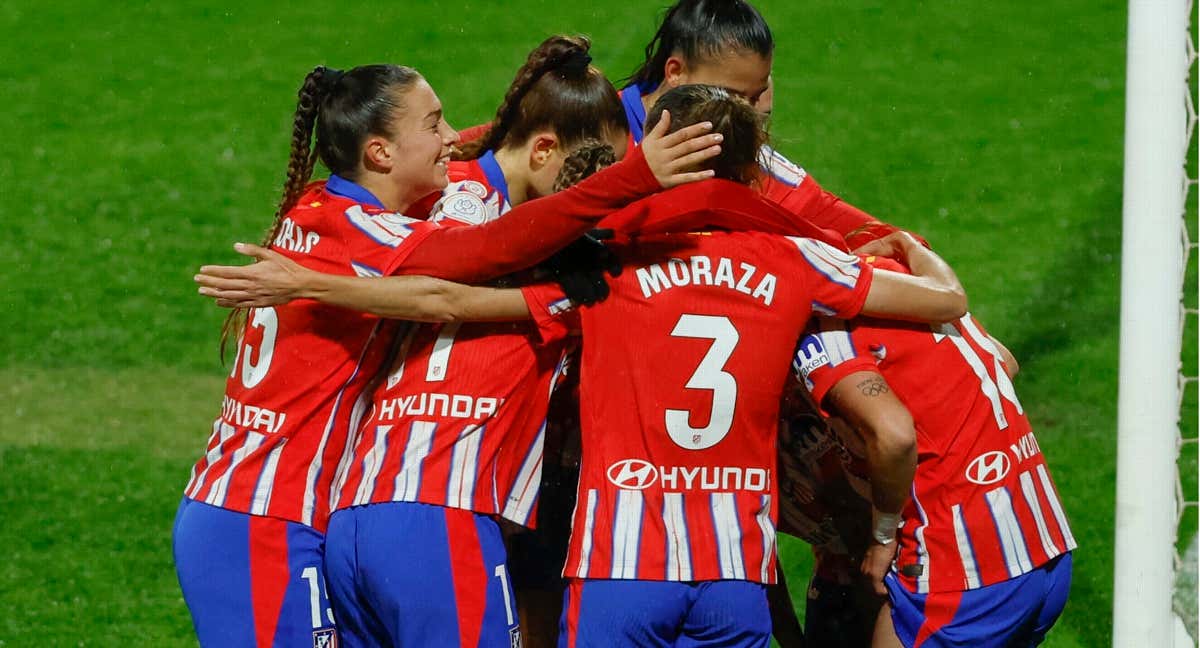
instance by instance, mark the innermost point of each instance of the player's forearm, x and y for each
(865, 400)
(533, 230)
(935, 273)
(416, 298)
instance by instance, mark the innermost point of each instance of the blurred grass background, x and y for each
(144, 139)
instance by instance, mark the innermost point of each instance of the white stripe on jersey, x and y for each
(266, 481)
(679, 558)
(922, 549)
(353, 438)
(314, 468)
(1012, 541)
(986, 384)
(222, 431)
(965, 552)
(729, 535)
(525, 489)
(408, 480)
(1056, 506)
(589, 523)
(1031, 498)
(780, 167)
(1002, 380)
(464, 466)
(439, 358)
(627, 532)
(768, 531)
(371, 464)
(836, 340)
(387, 228)
(220, 489)
(839, 267)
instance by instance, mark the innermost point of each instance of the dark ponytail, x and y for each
(342, 109)
(731, 115)
(557, 88)
(701, 30)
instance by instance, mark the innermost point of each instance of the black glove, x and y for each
(579, 267)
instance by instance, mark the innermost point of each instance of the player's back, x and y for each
(984, 507)
(298, 370)
(459, 420)
(682, 373)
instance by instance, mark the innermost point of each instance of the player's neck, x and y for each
(649, 99)
(514, 165)
(394, 198)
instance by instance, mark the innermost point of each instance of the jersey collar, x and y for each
(340, 186)
(635, 112)
(495, 175)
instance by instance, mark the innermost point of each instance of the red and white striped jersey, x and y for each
(300, 368)
(682, 373)
(461, 419)
(983, 507)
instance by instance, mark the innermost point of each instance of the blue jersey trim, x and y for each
(635, 112)
(495, 175)
(340, 186)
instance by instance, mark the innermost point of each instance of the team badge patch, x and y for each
(470, 186)
(463, 207)
(326, 638)
(514, 638)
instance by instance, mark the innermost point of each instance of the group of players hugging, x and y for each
(560, 379)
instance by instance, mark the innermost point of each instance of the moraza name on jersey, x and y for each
(702, 271)
(460, 406)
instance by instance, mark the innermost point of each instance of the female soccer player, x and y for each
(631, 583)
(249, 535)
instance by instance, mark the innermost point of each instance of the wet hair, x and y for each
(343, 109)
(556, 89)
(587, 158)
(731, 115)
(702, 30)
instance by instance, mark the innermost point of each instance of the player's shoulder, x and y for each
(780, 168)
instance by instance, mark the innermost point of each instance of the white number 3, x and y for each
(709, 375)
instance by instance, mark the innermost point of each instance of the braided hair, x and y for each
(342, 108)
(587, 158)
(558, 89)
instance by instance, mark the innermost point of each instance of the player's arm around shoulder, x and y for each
(276, 279)
(932, 293)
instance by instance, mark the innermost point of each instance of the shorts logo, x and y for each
(514, 638)
(632, 474)
(326, 638)
(988, 468)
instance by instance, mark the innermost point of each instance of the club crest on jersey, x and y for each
(632, 474)
(988, 468)
(463, 207)
(326, 638)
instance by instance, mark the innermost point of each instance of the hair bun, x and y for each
(577, 62)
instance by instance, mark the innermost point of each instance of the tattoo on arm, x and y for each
(873, 386)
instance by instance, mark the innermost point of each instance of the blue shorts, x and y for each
(405, 574)
(1016, 612)
(611, 613)
(251, 581)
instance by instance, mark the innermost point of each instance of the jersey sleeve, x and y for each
(837, 282)
(827, 353)
(793, 189)
(531, 231)
(553, 312)
(380, 242)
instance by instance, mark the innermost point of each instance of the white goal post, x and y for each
(1158, 125)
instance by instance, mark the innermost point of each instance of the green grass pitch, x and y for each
(142, 140)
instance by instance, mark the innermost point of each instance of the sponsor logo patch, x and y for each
(632, 474)
(988, 468)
